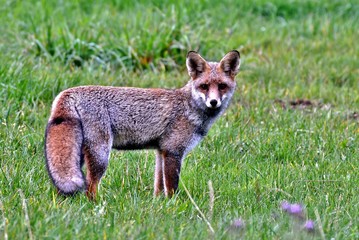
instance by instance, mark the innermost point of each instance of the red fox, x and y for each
(86, 122)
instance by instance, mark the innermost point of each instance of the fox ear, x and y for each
(230, 63)
(195, 64)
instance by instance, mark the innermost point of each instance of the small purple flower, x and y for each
(309, 226)
(285, 206)
(238, 223)
(296, 209)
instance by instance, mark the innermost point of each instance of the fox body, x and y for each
(87, 122)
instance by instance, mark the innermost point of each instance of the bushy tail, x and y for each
(63, 152)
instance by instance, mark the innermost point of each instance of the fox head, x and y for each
(213, 83)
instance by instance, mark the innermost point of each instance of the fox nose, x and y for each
(213, 102)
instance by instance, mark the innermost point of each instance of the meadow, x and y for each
(290, 134)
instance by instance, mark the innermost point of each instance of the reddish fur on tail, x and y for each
(63, 151)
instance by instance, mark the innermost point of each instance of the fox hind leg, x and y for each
(96, 160)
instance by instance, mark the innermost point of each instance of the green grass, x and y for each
(256, 156)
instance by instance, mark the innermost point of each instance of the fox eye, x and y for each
(222, 86)
(203, 87)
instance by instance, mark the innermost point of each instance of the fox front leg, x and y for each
(171, 168)
(158, 174)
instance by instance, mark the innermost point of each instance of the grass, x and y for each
(267, 148)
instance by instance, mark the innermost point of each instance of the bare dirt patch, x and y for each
(302, 104)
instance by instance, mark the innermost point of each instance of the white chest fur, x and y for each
(196, 138)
